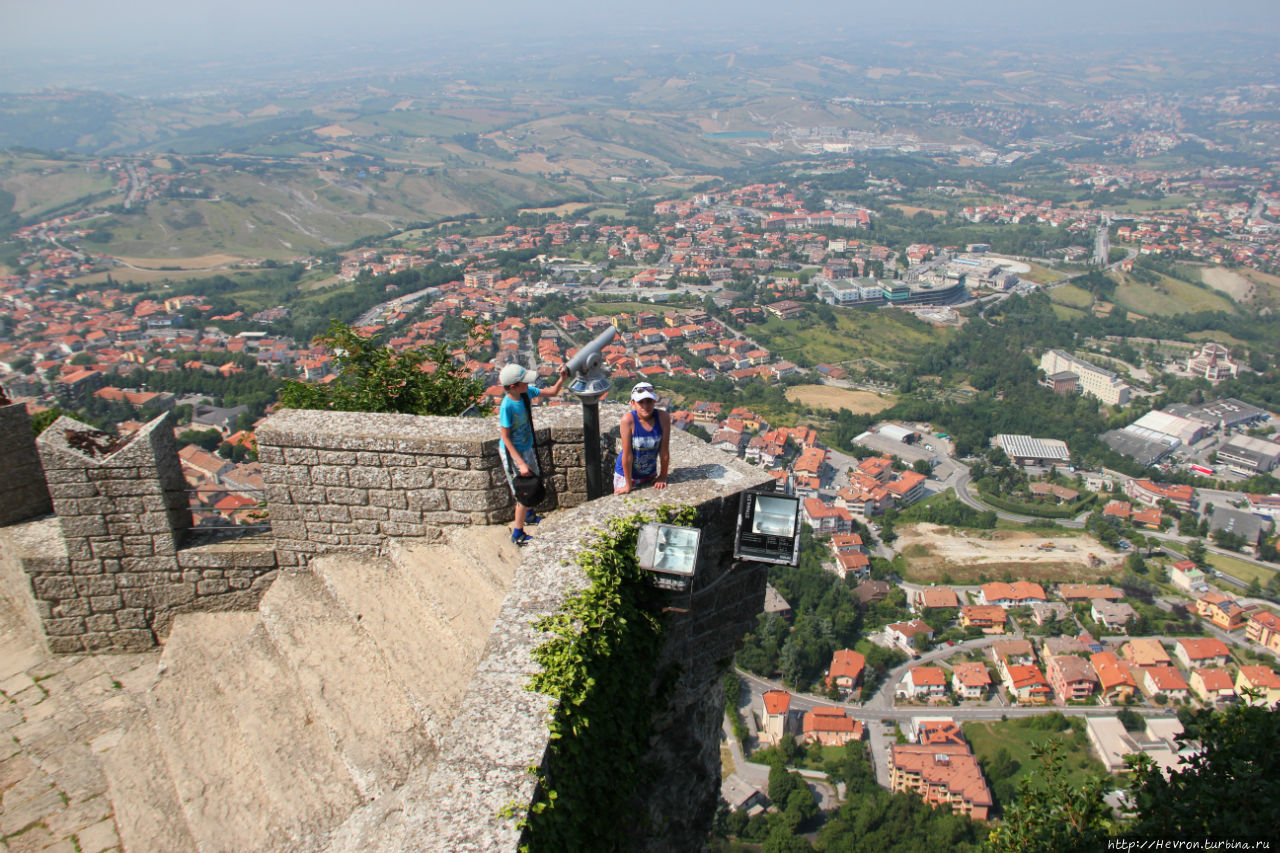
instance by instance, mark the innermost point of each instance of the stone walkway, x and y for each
(57, 716)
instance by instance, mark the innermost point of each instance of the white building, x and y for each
(1094, 380)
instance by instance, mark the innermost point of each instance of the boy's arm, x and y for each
(555, 389)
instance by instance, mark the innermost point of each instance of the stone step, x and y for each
(348, 686)
(228, 803)
(149, 818)
(418, 642)
(312, 787)
(465, 578)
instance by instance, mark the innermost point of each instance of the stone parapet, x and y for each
(502, 727)
(23, 493)
(350, 480)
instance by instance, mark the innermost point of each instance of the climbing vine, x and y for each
(600, 665)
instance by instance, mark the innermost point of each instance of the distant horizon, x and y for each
(116, 49)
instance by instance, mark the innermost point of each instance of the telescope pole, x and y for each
(591, 447)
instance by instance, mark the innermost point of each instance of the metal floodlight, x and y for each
(768, 528)
(670, 554)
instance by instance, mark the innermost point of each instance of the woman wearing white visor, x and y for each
(646, 440)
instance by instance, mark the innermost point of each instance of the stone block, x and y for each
(369, 478)
(268, 455)
(53, 586)
(335, 513)
(212, 587)
(306, 494)
(344, 458)
(388, 499)
(70, 607)
(100, 622)
(62, 627)
(330, 475)
(431, 500)
(294, 456)
(479, 501)
(105, 603)
(70, 645)
(463, 480)
(396, 528)
(340, 495)
(131, 617)
(83, 525)
(412, 478)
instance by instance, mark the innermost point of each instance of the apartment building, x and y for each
(1093, 380)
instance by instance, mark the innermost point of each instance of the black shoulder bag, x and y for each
(529, 490)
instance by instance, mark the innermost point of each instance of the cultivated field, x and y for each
(835, 399)
(932, 551)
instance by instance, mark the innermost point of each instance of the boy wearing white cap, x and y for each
(645, 439)
(516, 447)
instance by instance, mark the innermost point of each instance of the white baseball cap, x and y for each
(513, 373)
(643, 391)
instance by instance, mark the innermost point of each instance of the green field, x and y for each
(39, 185)
(1019, 739)
(882, 335)
(1071, 296)
(1169, 296)
(1242, 569)
(1042, 274)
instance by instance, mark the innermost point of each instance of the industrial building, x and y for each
(1249, 455)
(1025, 450)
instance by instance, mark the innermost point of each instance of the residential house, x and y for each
(990, 618)
(970, 680)
(1193, 652)
(941, 774)
(854, 563)
(1166, 681)
(870, 592)
(1088, 592)
(777, 710)
(1071, 677)
(829, 727)
(1116, 683)
(824, 518)
(1026, 684)
(1052, 646)
(1113, 615)
(934, 598)
(1213, 685)
(1006, 652)
(924, 682)
(742, 795)
(904, 635)
(1264, 629)
(907, 488)
(1018, 594)
(1188, 577)
(1261, 679)
(1145, 651)
(1048, 611)
(775, 603)
(846, 669)
(936, 730)
(1227, 613)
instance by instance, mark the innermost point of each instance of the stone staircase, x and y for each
(265, 730)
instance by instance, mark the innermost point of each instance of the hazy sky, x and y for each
(46, 32)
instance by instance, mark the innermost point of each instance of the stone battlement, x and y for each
(381, 530)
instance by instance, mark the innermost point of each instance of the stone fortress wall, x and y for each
(119, 563)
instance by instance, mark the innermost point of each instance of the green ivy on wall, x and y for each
(600, 665)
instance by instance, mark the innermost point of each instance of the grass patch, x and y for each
(1071, 296)
(1241, 569)
(885, 335)
(833, 399)
(1020, 737)
(1169, 296)
(1042, 274)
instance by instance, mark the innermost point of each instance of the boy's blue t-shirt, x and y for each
(511, 414)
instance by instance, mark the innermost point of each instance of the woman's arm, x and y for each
(625, 430)
(664, 450)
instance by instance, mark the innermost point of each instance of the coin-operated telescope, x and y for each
(590, 374)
